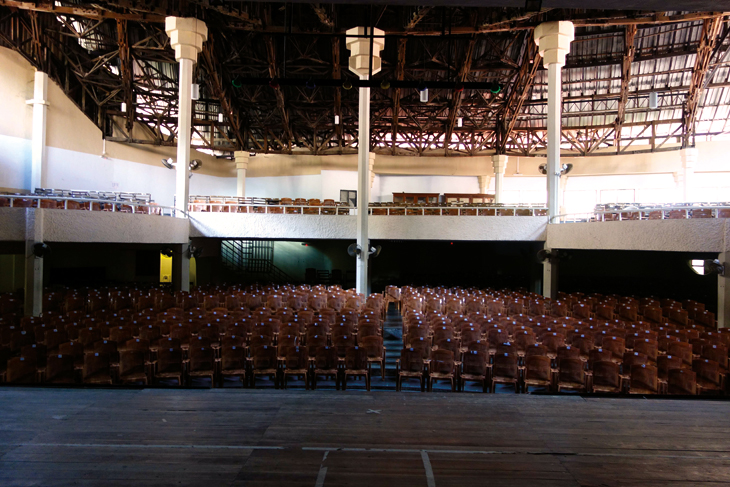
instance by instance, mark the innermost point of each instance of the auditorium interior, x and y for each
(350, 243)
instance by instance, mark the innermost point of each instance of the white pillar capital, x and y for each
(499, 163)
(484, 183)
(553, 40)
(187, 35)
(241, 158)
(360, 50)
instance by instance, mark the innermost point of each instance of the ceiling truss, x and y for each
(109, 53)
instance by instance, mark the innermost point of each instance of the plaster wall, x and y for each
(12, 224)
(699, 235)
(94, 227)
(221, 225)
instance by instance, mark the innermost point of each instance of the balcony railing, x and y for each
(680, 211)
(221, 204)
(84, 204)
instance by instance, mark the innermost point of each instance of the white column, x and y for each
(360, 63)
(723, 293)
(483, 183)
(39, 158)
(371, 165)
(241, 158)
(553, 40)
(33, 265)
(499, 162)
(363, 191)
(689, 161)
(550, 278)
(186, 37)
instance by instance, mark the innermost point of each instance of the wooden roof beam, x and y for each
(399, 75)
(280, 102)
(215, 83)
(456, 96)
(520, 91)
(708, 39)
(629, 53)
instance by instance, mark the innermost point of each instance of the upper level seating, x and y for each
(667, 211)
(315, 206)
(63, 199)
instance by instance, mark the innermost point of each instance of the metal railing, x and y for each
(85, 204)
(666, 212)
(213, 204)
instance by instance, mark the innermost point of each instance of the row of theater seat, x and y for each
(435, 325)
(559, 350)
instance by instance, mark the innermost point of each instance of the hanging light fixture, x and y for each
(653, 100)
(424, 95)
(459, 122)
(195, 91)
(220, 117)
(123, 108)
(337, 119)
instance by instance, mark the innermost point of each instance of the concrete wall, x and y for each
(95, 227)
(700, 235)
(222, 225)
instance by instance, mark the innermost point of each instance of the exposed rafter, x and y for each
(337, 74)
(629, 53)
(519, 92)
(323, 15)
(399, 74)
(457, 94)
(214, 79)
(417, 17)
(126, 72)
(280, 102)
(710, 31)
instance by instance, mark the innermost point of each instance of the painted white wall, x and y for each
(81, 171)
(333, 181)
(14, 162)
(389, 184)
(309, 186)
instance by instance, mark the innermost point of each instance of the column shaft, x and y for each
(553, 144)
(363, 190)
(723, 294)
(38, 143)
(33, 265)
(182, 168)
(181, 267)
(241, 182)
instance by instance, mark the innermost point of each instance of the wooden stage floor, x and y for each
(228, 437)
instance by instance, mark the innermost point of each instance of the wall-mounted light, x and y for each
(220, 117)
(337, 119)
(459, 122)
(123, 108)
(424, 95)
(195, 91)
(705, 267)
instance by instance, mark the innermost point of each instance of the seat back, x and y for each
(356, 358)
(682, 381)
(537, 367)
(606, 374)
(411, 360)
(442, 361)
(505, 365)
(644, 377)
